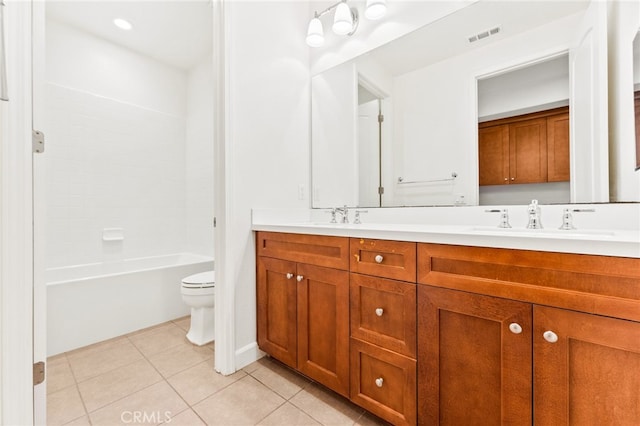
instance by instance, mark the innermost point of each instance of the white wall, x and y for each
(624, 22)
(267, 143)
(81, 61)
(117, 154)
(199, 159)
(115, 151)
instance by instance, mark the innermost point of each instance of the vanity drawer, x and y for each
(383, 312)
(320, 250)
(384, 383)
(389, 259)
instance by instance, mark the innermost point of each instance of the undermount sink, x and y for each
(544, 232)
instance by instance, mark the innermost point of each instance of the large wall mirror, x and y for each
(636, 94)
(402, 125)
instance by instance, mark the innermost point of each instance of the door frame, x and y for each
(16, 219)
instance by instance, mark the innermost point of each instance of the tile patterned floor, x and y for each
(155, 376)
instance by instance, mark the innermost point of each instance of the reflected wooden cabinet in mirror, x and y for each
(529, 148)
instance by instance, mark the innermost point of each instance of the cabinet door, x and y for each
(475, 359)
(558, 148)
(383, 382)
(528, 151)
(493, 153)
(323, 326)
(591, 374)
(276, 309)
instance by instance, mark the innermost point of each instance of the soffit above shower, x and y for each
(178, 33)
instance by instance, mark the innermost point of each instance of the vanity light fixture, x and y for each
(345, 19)
(123, 24)
(315, 34)
(375, 9)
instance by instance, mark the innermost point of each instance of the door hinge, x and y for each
(380, 118)
(380, 190)
(38, 373)
(37, 141)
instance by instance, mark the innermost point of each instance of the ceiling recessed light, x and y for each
(123, 24)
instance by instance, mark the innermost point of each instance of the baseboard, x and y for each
(248, 354)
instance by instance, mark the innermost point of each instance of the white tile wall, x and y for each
(129, 145)
(112, 164)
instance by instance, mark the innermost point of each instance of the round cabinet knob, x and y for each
(299, 278)
(550, 336)
(506, 179)
(515, 328)
(513, 178)
(379, 382)
(379, 311)
(379, 258)
(289, 275)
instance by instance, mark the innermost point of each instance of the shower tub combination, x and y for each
(98, 301)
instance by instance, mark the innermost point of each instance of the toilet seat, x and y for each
(200, 280)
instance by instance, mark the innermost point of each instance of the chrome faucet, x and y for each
(534, 216)
(344, 211)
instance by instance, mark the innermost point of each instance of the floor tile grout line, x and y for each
(88, 413)
(271, 412)
(77, 386)
(307, 385)
(217, 391)
(104, 372)
(286, 400)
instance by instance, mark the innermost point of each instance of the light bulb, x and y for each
(375, 9)
(343, 20)
(315, 33)
(123, 24)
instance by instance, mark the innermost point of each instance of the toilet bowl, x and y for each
(198, 292)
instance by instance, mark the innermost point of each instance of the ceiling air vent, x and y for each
(484, 34)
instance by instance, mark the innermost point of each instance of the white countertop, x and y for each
(599, 241)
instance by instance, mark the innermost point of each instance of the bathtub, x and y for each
(94, 302)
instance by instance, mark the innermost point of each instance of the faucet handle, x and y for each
(357, 218)
(333, 212)
(567, 220)
(504, 217)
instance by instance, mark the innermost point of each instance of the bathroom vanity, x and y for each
(421, 331)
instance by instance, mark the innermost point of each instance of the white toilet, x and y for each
(198, 292)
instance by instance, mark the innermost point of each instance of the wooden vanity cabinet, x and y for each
(303, 304)
(383, 328)
(473, 369)
(521, 337)
(530, 148)
(440, 334)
